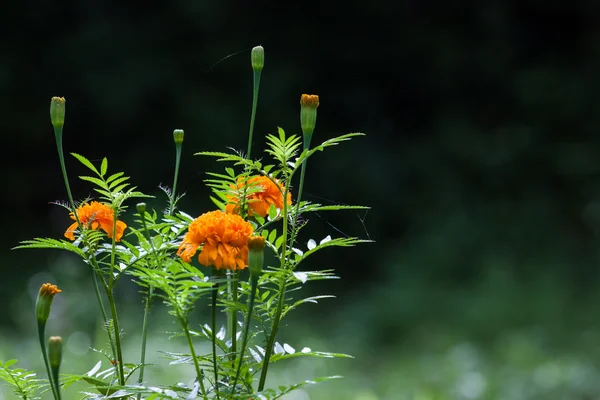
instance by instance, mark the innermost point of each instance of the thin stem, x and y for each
(148, 303)
(145, 335)
(184, 325)
(256, 86)
(56, 380)
(283, 281)
(61, 158)
(282, 287)
(95, 271)
(117, 332)
(254, 284)
(232, 314)
(214, 336)
(299, 197)
(41, 329)
(177, 162)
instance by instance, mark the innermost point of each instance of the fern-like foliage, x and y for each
(23, 383)
(113, 189)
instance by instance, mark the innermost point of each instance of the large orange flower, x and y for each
(96, 215)
(224, 238)
(263, 192)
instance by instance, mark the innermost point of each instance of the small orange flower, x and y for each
(224, 240)
(96, 215)
(49, 290)
(263, 193)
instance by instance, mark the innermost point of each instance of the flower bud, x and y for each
(308, 114)
(141, 208)
(55, 351)
(178, 136)
(257, 56)
(44, 301)
(256, 250)
(57, 112)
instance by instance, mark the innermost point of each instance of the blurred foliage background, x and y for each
(481, 167)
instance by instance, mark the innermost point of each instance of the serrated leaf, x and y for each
(85, 162)
(117, 181)
(114, 176)
(95, 181)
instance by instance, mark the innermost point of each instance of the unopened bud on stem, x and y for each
(57, 112)
(178, 136)
(257, 58)
(141, 208)
(308, 116)
(55, 351)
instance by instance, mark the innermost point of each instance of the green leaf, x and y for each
(117, 181)
(103, 166)
(85, 162)
(48, 243)
(113, 177)
(95, 181)
(273, 236)
(220, 205)
(272, 211)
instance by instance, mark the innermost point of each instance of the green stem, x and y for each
(299, 197)
(96, 271)
(232, 314)
(175, 177)
(41, 329)
(282, 288)
(184, 325)
(117, 333)
(56, 380)
(61, 158)
(145, 335)
(254, 284)
(256, 86)
(148, 304)
(214, 336)
(283, 280)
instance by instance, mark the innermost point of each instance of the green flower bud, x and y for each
(256, 251)
(44, 302)
(57, 112)
(257, 56)
(141, 208)
(308, 115)
(178, 136)
(55, 351)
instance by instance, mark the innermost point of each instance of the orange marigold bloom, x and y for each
(263, 193)
(223, 237)
(96, 215)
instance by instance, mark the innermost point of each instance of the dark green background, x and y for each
(481, 161)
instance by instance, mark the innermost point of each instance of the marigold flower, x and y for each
(223, 237)
(96, 215)
(259, 201)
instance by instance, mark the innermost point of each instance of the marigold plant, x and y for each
(255, 225)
